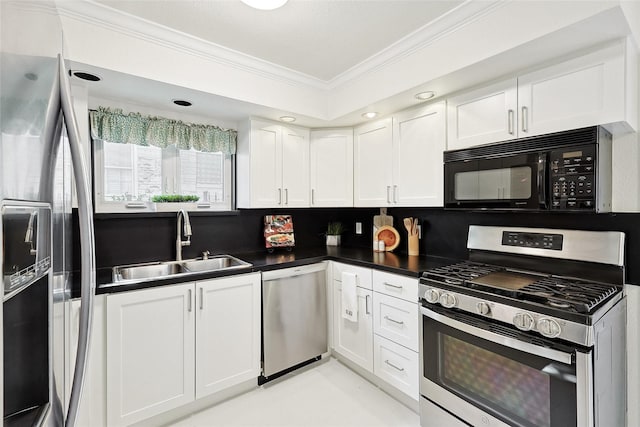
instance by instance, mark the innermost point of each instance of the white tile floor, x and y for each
(327, 395)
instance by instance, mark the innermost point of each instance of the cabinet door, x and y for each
(373, 164)
(150, 352)
(482, 116)
(266, 165)
(585, 91)
(354, 340)
(295, 167)
(331, 168)
(227, 332)
(419, 139)
(92, 411)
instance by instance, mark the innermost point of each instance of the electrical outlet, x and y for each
(358, 228)
(419, 232)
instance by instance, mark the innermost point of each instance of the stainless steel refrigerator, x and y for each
(40, 158)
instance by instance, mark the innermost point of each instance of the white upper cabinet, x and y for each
(398, 161)
(483, 115)
(273, 165)
(373, 153)
(589, 90)
(419, 139)
(331, 168)
(585, 91)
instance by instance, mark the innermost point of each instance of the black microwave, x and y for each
(564, 171)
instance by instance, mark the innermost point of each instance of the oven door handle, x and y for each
(548, 353)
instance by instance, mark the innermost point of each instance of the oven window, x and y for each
(514, 387)
(512, 183)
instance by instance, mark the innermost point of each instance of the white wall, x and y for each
(626, 173)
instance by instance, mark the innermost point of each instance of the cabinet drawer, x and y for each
(396, 319)
(397, 365)
(396, 285)
(363, 274)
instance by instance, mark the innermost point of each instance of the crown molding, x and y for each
(121, 22)
(124, 23)
(452, 21)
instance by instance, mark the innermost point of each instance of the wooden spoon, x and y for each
(408, 223)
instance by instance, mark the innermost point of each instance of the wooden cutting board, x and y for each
(381, 220)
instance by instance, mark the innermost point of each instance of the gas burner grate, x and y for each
(579, 295)
(565, 294)
(456, 274)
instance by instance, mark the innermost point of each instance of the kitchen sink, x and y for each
(217, 262)
(164, 269)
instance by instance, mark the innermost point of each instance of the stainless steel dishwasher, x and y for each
(294, 318)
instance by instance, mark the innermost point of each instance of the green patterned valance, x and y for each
(133, 128)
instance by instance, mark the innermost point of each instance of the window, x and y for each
(128, 176)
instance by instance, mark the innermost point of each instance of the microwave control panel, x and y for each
(573, 178)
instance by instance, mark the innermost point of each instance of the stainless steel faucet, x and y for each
(182, 216)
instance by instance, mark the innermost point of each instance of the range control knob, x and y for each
(432, 296)
(448, 300)
(483, 308)
(549, 327)
(523, 321)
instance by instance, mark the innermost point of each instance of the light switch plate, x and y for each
(358, 228)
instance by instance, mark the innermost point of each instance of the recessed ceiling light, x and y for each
(370, 115)
(182, 102)
(288, 119)
(423, 96)
(83, 75)
(265, 4)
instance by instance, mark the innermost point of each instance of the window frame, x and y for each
(124, 206)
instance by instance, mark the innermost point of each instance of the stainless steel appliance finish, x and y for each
(502, 345)
(40, 143)
(563, 171)
(294, 317)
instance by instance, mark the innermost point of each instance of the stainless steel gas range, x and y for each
(530, 331)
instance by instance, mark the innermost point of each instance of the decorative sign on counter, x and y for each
(278, 232)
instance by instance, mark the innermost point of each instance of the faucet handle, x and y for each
(205, 254)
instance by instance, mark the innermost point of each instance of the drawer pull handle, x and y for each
(189, 302)
(391, 285)
(399, 322)
(366, 304)
(394, 366)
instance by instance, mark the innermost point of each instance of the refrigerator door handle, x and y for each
(87, 245)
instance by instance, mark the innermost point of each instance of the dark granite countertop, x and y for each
(412, 266)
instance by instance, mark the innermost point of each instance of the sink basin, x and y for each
(159, 270)
(146, 271)
(214, 263)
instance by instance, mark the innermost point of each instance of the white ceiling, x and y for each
(320, 38)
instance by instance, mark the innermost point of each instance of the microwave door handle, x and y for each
(542, 180)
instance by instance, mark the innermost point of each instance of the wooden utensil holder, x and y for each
(414, 245)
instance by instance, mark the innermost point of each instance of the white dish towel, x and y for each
(349, 297)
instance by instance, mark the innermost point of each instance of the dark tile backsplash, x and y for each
(123, 239)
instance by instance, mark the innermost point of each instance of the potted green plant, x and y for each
(174, 202)
(333, 234)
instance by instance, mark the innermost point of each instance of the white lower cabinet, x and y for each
(397, 365)
(227, 333)
(150, 352)
(385, 340)
(396, 319)
(170, 345)
(354, 340)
